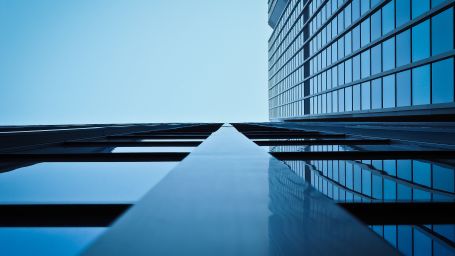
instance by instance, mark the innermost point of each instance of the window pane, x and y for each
(404, 88)
(341, 74)
(421, 41)
(376, 59)
(347, 16)
(341, 100)
(388, 19)
(404, 48)
(419, 7)
(348, 71)
(356, 97)
(365, 64)
(340, 48)
(376, 94)
(388, 84)
(365, 6)
(442, 32)
(442, 81)
(365, 33)
(365, 95)
(403, 13)
(355, 9)
(356, 67)
(388, 48)
(436, 2)
(348, 43)
(376, 25)
(348, 98)
(356, 38)
(421, 85)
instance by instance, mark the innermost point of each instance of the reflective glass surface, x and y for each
(442, 82)
(46, 241)
(421, 85)
(81, 182)
(151, 149)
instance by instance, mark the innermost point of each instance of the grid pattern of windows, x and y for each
(338, 57)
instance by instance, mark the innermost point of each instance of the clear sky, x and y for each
(120, 61)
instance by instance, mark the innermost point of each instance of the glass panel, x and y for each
(341, 74)
(388, 84)
(47, 241)
(341, 100)
(421, 85)
(442, 81)
(403, 13)
(376, 94)
(365, 33)
(376, 25)
(356, 97)
(348, 98)
(443, 178)
(348, 43)
(421, 41)
(404, 48)
(365, 59)
(365, 6)
(388, 19)
(355, 10)
(356, 38)
(80, 182)
(376, 60)
(404, 88)
(442, 32)
(365, 95)
(356, 67)
(348, 71)
(419, 7)
(388, 48)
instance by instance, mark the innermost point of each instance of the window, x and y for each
(421, 85)
(341, 74)
(347, 16)
(356, 97)
(334, 77)
(403, 48)
(403, 13)
(348, 98)
(356, 67)
(388, 19)
(348, 71)
(365, 32)
(341, 100)
(419, 7)
(421, 41)
(376, 25)
(442, 32)
(365, 6)
(388, 48)
(436, 2)
(348, 43)
(365, 59)
(376, 94)
(365, 95)
(356, 38)
(376, 59)
(404, 88)
(442, 81)
(335, 101)
(388, 85)
(340, 48)
(355, 10)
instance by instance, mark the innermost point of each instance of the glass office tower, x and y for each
(361, 58)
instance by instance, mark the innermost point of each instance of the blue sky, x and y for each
(120, 61)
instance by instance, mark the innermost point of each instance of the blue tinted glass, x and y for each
(348, 99)
(404, 192)
(356, 38)
(419, 7)
(388, 48)
(442, 32)
(404, 88)
(347, 16)
(341, 74)
(356, 97)
(349, 176)
(436, 2)
(390, 234)
(376, 60)
(366, 182)
(355, 9)
(421, 85)
(388, 84)
(403, 13)
(375, 2)
(376, 25)
(365, 59)
(47, 241)
(405, 240)
(403, 48)
(341, 100)
(366, 95)
(80, 182)
(151, 149)
(442, 81)
(404, 169)
(365, 6)
(365, 32)
(348, 43)
(376, 94)
(443, 178)
(348, 71)
(390, 167)
(422, 243)
(421, 172)
(356, 67)
(421, 41)
(357, 178)
(390, 190)
(377, 187)
(334, 76)
(340, 48)
(388, 19)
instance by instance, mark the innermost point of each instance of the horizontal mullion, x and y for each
(295, 136)
(324, 142)
(366, 155)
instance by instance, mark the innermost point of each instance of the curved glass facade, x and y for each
(339, 58)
